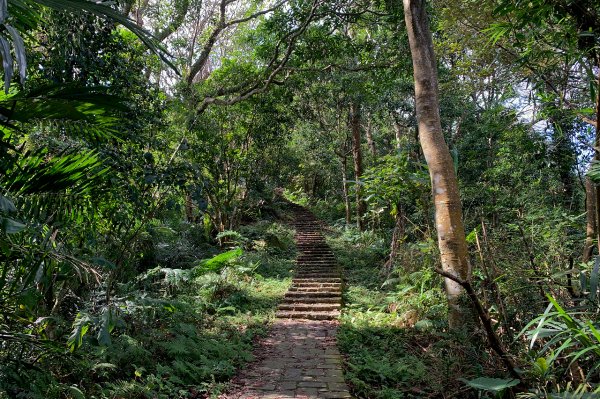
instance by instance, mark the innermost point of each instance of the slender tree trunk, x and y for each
(590, 227)
(345, 191)
(444, 184)
(397, 237)
(596, 190)
(358, 166)
(370, 141)
(189, 208)
(398, 131)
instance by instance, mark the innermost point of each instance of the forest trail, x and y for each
(299, 358)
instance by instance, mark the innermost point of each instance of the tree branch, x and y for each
(181, 10)
(222, 24)
(259, 87)
(486, 321)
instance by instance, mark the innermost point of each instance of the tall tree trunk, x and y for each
(345, 191)
(189, 208)
(444, 184)
(590, 227)
(592, 191)
(397, 237)
(358, 167)
(398, 131)
(370, 141)
(596, 190)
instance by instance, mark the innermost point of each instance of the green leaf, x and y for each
(107, 324)
(81, 325)
(11, 226)
(20, 52)
(7, 62)
(491, 384)
(6, 205)
(76, 393)
(220, 260)
(472, 236)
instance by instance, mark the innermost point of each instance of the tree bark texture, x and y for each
(355, 118)
(398, 131)
(345, 191)
(397, 237)
(591, 226)
(596, 190)
(370, 141)
(444, 184)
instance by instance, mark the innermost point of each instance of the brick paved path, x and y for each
(300, 358)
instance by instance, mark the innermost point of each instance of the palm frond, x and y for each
(38, 173)
(88, 112)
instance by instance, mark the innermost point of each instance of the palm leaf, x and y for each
(36, 173)
(87, 112)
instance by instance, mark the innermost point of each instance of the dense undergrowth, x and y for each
(394, 330)
(170, 332)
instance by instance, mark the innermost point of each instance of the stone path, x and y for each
(300, 358)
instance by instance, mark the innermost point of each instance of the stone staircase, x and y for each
(316, 291)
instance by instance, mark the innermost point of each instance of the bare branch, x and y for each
(256, 14)
(261, 87)
(222, 24)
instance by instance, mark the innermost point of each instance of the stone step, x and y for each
(318, 265)
(313, 274)
(318, 270)
(304, 307)
(316, 257)
(307, 300)
(300, 280)
(301, 273)
(317, 262)
(331, 315)
(336, 290)
(298, 294)
(315, 250)
(317, 285)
